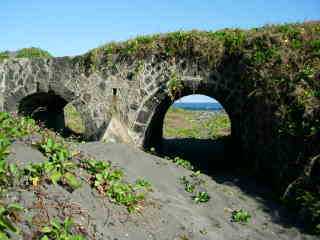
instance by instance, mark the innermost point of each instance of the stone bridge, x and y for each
(123, 105)
(124, 90)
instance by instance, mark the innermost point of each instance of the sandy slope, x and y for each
(169, 212)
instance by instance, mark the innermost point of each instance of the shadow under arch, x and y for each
(48, 109)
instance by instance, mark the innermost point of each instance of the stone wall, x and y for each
(138, 98)
(269, 95)
(22, 78)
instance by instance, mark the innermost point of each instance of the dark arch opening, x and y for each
(204, 150)
(53, 112)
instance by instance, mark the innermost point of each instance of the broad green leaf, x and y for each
(13, 169)
(55, 223)
(2, 210)
(61, 156)
(6, 223)
(50, 143)
(72, 180)
(46, 229)
(68, 223)
(3, 236)
(77, 237)
(55, 177)
(48, 167)
(15, 207)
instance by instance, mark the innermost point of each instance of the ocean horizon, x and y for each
(199, 106)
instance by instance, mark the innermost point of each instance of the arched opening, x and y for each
(53, 112)
(195, 128)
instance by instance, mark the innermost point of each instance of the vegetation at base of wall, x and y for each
(310, 201)
(61, 167)
(183, 163)
(301, 196)
(12, 127)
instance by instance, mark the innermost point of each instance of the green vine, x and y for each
(174, 86)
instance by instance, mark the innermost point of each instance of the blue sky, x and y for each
(197, 98)
(71, 27)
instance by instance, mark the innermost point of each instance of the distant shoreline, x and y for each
(198, 106)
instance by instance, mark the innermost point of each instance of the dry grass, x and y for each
(181, 123)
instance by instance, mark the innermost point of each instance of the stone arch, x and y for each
(48, 107)
(44, 107)
(151, 113)
(59, 81)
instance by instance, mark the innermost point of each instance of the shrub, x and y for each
(58, 230)
(240, 216)
(33, 53)
(109, 182)
(4, 55)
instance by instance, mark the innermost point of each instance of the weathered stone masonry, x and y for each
(60, 76)
(139, 102)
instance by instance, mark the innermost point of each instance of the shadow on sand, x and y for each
(218, 160)
(206, 155)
